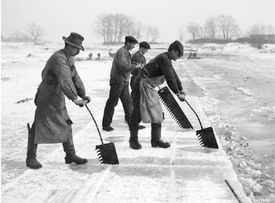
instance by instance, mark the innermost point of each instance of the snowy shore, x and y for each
(234, 83)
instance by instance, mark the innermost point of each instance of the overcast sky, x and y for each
(60, 17)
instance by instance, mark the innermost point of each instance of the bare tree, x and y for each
(228, 27)
(129, 26)
(113, 27)
(254, 30)
(270, 29)
(100, 27)
(153, 33)
(194, 30)
(211, 27)
(35, 31)
(181, 34)
(17, 36)
(139, 30)
(254, 33)
(262, 29)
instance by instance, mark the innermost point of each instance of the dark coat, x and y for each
(161, 65)
(59, 79)
(139, 58)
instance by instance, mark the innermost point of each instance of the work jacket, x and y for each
(59, 79)
(121, 66)
(161, 65)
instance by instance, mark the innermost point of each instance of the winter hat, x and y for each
(144, 45)
(130, 39)
(176, 45)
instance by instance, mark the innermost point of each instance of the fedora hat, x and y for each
(75, 40)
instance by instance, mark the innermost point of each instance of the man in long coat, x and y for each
(146, 105)
(52, 123)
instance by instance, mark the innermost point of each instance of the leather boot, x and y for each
(69, 149)
(140, 127)
(31, 160)
(156, 136)
(134, 143)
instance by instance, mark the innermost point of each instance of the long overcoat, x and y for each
(59, 79)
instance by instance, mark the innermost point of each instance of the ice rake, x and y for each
(173, 108)
(106, 152)
(206, 136)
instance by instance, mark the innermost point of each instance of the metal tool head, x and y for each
(173, 108)
(107, 153)
(207, 138)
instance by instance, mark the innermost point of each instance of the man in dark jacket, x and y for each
(52, 123)
(146, 105)
(119, 83)
(138, 58)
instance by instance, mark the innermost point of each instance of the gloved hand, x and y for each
(87, 98)
(80, 102)
(181, 96)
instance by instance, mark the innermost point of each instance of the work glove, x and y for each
(181, 96)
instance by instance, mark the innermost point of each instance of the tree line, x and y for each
(112, 28)
(34, 33)
(224, 29)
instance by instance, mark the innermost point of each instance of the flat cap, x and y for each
(176, 45)
(130, 39)
(144, 45)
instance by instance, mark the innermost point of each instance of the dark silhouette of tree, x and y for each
(113, 28)
(228, 27)
(152, 33)
(270, 29)
(181, 35)
(139, 30)
(211, 27)
(194, 30)
(35, 31)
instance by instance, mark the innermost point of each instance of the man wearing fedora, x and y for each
(52, 123)
(119, 83)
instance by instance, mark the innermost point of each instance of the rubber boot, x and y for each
(156, 136)
(31, 160)
(70, 157)
(134, 143)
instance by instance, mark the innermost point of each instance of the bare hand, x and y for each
(181, 96)
(87, 98)
(80, 102)
(182, 92)
(139, 65)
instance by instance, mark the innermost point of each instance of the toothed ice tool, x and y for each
(173, 108)
(106, 152)
(206, 136)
